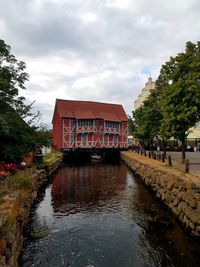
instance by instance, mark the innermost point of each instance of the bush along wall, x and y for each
(16, 198)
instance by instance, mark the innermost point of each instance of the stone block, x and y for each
(174, 191)
(193, 215)
(2, 261)
(10, 238)
(181, 205)
(176, 202)
(3, 244)
(196, 186)
(168, 198)
(162, 194)
(182, 188)
(158, 194)
(180, 195)
(181, 216)
(190, 225)
(198, 206)
(190, 200)
(198, 229)
(193, 203)
(8, 253)
(184, 206)
(176, 211)
(170, 185)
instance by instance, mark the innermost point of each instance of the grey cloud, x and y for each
(117, 35)
(59, 28)
(127, 42)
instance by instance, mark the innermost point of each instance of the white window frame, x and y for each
(84, 137)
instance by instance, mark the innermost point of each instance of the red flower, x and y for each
(9, 167)
(4, 174)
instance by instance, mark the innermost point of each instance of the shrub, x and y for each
(7, 169)
(10, 167)
(4, 174)
(24, 182)
(5, 225)
(2, 200)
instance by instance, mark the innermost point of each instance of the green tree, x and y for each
(12, 76)
(16, 136)
(148, 118)
(131, 125)
(179, 83)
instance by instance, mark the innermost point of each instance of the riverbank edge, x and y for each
(179, 191)
(12, 242)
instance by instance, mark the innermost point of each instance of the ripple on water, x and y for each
(101, 215)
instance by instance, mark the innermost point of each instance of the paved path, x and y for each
(194, 158)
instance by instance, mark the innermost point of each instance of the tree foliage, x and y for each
(179, 83)
(131, 125)
(12, 76)
(16, 136)
(174, 107)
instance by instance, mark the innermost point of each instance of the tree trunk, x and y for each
(164, 148)
(151, 145)
(183, 150)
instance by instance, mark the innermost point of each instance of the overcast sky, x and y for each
(98, 50)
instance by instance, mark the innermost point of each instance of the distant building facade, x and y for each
(150, 85)
(194, 132)
(87, 124)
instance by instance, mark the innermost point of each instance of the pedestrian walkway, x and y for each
(194, 158)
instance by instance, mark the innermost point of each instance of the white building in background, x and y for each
(194, 132)
(150, 85)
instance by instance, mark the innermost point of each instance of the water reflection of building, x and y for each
(161, 232)
(78, 186)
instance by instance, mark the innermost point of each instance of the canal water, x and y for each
(101, 215)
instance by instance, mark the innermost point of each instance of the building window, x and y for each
(85, 122)
(116, 138)
(72, 138)
(111, 124)
(106, 138)
(84, 137)
(72, 123)
(80, 123)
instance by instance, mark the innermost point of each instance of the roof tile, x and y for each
(91, 110)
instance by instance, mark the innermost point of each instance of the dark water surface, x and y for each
(101, 215)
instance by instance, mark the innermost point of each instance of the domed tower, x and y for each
(150, 85)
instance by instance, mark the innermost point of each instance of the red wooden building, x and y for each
(87, 124)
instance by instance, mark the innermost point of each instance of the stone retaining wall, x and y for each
(178, 190)
(11, 241)
(50, 169)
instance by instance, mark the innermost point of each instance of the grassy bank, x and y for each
(50, 158)
(17, 193)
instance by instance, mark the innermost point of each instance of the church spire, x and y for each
(150, 79)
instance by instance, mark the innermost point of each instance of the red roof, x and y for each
(90, 110)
